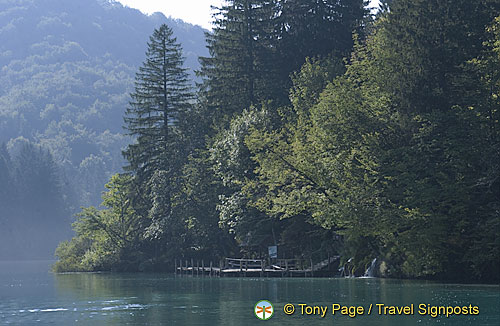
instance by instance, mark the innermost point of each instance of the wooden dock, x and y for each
(253, 267)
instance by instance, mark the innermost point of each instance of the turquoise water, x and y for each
(29, 295)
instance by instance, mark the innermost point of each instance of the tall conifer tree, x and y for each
(240, 70)
(156, 116)
(159, 103)
(311, 28)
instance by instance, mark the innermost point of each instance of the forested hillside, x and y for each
(67, 68)
(317, 128)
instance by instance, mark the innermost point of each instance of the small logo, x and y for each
(264, 310)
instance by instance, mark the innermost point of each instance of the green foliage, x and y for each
(233, 167)
(241, 70)
(316, 29)
(432, 162)
(106, 238)
(158, 116)
(70, 255)
(254, 49)
(317, 168)
(484, 253)
(149, 219)
(201, 189)
(256, 45)
(392, 153)
(160, 100)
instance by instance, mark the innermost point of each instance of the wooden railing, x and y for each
(291, 264)
(244, 264)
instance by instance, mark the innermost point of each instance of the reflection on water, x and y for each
(29, 295)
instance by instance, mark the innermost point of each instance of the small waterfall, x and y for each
(369, 271)
(345, 271)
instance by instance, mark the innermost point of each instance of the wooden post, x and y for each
(312, 268)
(210, 268)
(186, 266)
(262, 266)
(202, 268)
(192, 267)
(175, 266)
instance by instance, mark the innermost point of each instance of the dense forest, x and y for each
(318, 127)
(66, 71)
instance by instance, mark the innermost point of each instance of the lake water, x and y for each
(30, 295)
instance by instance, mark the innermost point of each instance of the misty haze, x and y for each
(67, 70)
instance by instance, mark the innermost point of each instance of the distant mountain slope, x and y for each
(66, 69)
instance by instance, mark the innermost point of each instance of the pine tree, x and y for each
(159, 104)
(157, 117)
(314, 28)
(240, 70)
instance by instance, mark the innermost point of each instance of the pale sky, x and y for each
(196, 12)
(192, 11)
